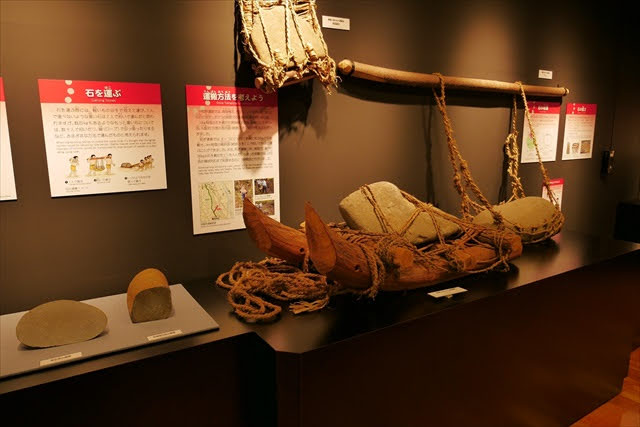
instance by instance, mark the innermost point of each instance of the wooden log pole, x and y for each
(374, 73)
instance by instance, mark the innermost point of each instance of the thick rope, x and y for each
(553, 224)
(470, 231)
(250, 282)
(512, 153)
(461, 167)
(543, 170)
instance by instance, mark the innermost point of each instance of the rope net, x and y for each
(284, 40)
(430, 254)
(255, 287)
(464, 183)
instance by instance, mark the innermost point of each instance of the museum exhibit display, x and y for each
(149, 296)
(284, 40)
(64, 332)
(311, 262)
(533, 218)
(377, 256)
(60, 322)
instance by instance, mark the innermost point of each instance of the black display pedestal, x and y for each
(543, 344)
(628, 221)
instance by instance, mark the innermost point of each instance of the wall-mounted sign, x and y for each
(233, 151)
(557, 185)
(545, 118)
(7, 179)
(579, 129)
(102, 137)
(336, 23)
(545, 74)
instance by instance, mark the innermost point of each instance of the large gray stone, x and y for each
(532, 213)
(359, 214)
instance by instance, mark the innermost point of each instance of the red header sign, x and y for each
(91, 92)
(229, 96)
(1, 90)
(584, 109)
(537, 107)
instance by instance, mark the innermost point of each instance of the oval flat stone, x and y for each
(359, 214)
(60, 322)
(531, 213)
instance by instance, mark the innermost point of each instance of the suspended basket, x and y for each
(284, 40)
(534, 219)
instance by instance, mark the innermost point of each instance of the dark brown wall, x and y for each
(82, 247)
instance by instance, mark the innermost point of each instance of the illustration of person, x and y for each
(92, 165)
(108, 162)
(262, 183)
(243, 192)
(73, 166)
(141, 165)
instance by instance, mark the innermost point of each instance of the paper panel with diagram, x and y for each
(233, 151)
(7, 179)
(102, 137)
(579, 130)
(545, 119)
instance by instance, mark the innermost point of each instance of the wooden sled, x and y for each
(351, 264)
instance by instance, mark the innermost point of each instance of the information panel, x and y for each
(233, 150)
(545, 118)
(7, 179)
(102, 137)
(580, 125)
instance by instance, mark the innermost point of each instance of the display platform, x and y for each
(543, 344)
(188, 317)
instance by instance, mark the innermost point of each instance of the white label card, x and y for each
(336, 23)
(545, 74)
(447, 292)
(164, 335)
(59, 359)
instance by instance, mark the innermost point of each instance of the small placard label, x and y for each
(447, 292)
(59, 359)
(545, 74)
(336, 23)
(164, 335)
